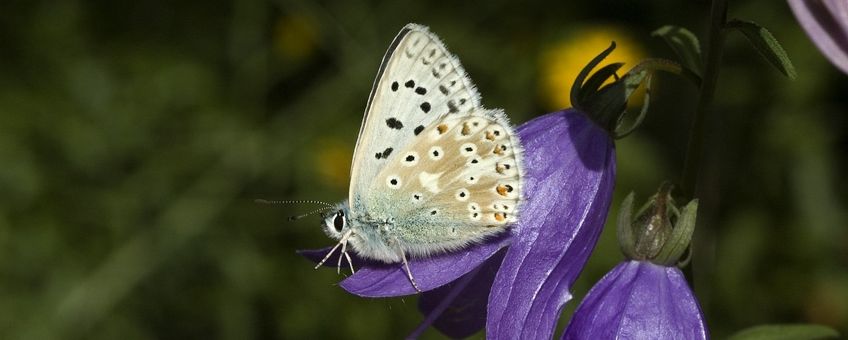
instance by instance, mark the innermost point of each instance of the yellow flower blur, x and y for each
(563, 60)
(332, 162)
(294, 37)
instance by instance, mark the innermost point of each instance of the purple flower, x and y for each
(638, 300)
(826, 22)
(569, 172)
(645, 297)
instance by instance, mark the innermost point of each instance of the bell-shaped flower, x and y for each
(646, 296)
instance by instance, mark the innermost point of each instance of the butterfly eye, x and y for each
(339, 221)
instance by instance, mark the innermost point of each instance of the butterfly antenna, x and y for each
(294, 218)
(262, 201)
(325, 205)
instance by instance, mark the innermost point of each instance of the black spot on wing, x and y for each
(425, 107)
(409, 84)
(419, 129)
(452, 108)
(385, 154)
(443, 90)
(420, 90)
(394, 86)
(394, 123)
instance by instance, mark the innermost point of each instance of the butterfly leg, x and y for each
(343, 243)
(344, 252)
(409, 272)
(350, 263)
(328, 255)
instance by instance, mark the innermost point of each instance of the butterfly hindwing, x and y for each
(456, 183)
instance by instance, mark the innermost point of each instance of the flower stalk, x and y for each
(715, 44)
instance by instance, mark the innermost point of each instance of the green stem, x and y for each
(715, 42)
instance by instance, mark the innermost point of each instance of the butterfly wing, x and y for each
(429, 158)
(418, 82)
(458, 182)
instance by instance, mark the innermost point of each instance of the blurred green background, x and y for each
(135, 136)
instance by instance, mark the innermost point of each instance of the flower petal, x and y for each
(569, 167)
(458, 309)
(638, 300)
(826, 23)
(386, 280)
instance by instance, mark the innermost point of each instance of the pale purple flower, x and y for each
(569, 172)
(639, 300)
(826, 23)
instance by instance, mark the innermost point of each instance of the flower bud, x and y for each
(659, 232)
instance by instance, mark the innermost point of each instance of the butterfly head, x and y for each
(336, 221)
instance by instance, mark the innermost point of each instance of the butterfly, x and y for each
(433, 171)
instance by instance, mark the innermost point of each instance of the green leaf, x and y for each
(765, 43)
(786, 332)
(684, 43)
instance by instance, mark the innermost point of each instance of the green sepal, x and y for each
(765, 43)
(625, 229)
(786, 332)
(607, 104)
(577, 87)
(597, 80)
(681, 236)
(685, 45)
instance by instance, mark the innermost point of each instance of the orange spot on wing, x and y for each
(498, 150)
(465, 129)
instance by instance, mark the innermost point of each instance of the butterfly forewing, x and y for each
(419, 82)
